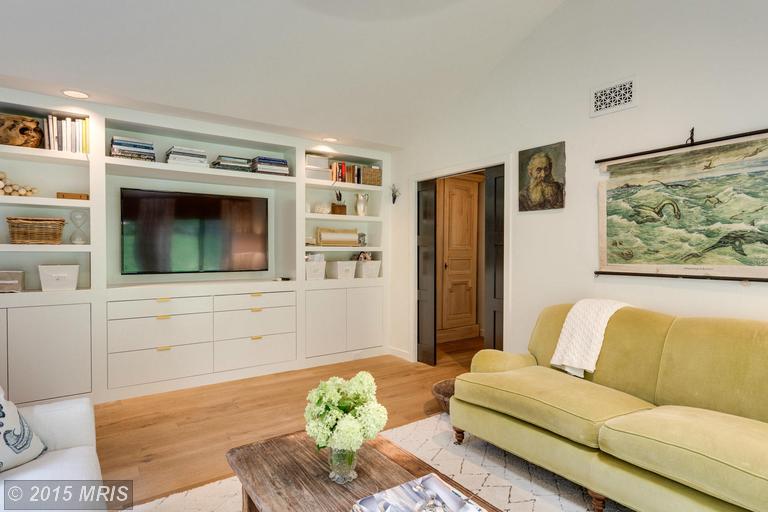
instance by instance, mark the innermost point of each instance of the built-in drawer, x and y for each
(245, 323)
(254, 300)
(144, 366)
(253, 351)
(157, 331)
(160, 306)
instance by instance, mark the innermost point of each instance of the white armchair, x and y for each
(68, 430)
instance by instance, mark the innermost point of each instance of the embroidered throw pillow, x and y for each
(18, 444)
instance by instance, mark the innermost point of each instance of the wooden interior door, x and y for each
(457, 256)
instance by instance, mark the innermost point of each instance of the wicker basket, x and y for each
(371, 176)
(35, 230)
(443, 391)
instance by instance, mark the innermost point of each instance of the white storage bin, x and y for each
(58, 277)
(368, 269)
(340, 269)
(315, 270)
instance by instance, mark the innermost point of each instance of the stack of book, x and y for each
(125, 147)
(232, 163)
(186, 156)
(65, 134)
(318, 167)
(270, 165)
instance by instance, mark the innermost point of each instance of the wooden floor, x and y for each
(174, 441)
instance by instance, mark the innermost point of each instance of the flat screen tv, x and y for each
(178, 232)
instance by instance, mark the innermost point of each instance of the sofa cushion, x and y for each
(549, 399)
(631, 353)
(18, 443)
(719, 454)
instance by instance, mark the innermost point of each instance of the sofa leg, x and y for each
(598, 501)
(458, 435)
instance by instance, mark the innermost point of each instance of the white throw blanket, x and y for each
(582, 336)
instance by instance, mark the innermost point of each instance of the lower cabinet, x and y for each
(326, 322)
(253, 351)
(49, 352)
(341, 320)
(365, 321)
(162, 363)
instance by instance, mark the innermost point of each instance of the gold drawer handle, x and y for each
(163, 299)
(256, 338)
(163, 317)
(164, 348)
(256, 294)
(256, 310)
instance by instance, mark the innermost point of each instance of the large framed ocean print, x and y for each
(694, 211)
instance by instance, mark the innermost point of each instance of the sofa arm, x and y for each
(63, 424)
(489, 360)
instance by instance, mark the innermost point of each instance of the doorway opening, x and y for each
(460, 241)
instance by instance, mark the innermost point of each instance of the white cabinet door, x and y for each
(49, 351)
(4, 349)
(326, 322)
(364, 317)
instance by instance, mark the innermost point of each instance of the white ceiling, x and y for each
(359, 70)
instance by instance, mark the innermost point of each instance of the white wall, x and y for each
(697, 62)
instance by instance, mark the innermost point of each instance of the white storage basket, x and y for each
(58, 277)
(368, 269)
(315, 270)
(340, 269)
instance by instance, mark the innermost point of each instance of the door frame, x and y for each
(508, 160)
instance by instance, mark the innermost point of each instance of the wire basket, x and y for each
(35, 230)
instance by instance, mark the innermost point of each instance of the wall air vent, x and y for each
(613, 97)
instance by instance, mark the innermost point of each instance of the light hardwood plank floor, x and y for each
(175, 441)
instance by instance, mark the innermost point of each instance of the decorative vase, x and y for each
(343, 464)
(361, 205)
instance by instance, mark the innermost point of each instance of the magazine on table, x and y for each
(426, 494)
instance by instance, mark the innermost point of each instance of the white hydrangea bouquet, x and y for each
(341, 415)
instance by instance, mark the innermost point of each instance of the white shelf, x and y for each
(340, 185)
(44, 248)
(176, 172)
(345, 218)
(322, 284)
(44, 202)
(43, 155)
(323, 248)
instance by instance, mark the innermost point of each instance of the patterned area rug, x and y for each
(506, 481)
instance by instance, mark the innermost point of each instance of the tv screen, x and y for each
(174, 232)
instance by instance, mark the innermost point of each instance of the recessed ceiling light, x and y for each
(75, 94)
(330, 139)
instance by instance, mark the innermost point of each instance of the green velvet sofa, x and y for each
(672, 420)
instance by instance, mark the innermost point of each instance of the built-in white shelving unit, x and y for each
(343, 218)
(43, 155)
(44, 248)
(315, 183)
(175, 172)
(298, 331)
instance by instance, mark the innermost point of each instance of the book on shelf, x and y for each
(127, 147)
(317, 161)
(68, 134)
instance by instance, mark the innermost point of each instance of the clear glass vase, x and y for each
(343, 464)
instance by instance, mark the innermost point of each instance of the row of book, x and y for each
(323, 168)
(65, 134)
(125, 147)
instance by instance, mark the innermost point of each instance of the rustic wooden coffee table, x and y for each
(287, 473)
